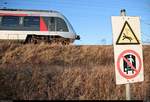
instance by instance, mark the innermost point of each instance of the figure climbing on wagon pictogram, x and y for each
(130, 58)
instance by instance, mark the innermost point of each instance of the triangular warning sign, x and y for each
(127, 36)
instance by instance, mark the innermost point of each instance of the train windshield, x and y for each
(57, 24)
(70, 26)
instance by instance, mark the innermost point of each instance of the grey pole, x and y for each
(128, 96)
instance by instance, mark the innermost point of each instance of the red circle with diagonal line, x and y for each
(121, 57)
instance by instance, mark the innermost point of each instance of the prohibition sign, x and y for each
(137, 70)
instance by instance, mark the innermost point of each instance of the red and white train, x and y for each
(35, 26)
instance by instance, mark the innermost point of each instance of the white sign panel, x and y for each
(127, 49)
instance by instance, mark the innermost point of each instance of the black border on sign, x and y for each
(117, 43)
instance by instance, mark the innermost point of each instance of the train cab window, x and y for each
(10, 21)
(61, 25)
(31, 21)
(52, 24)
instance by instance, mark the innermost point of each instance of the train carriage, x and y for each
(36, 26)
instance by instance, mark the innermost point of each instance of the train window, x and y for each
(52, 24)
(61, 25)
(0, 19)
(52, 20)
(10, 21)
(31, 21)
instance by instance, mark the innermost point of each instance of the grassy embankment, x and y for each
(64, 72)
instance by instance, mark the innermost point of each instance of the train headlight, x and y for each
(77, 37)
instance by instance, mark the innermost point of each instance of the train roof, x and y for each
(52, 11)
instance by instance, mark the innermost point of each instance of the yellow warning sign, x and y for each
(127, 36)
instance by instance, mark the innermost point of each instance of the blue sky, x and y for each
(91, 19)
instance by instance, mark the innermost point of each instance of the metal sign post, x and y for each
(128, 97)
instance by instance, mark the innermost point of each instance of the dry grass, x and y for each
(64, 72)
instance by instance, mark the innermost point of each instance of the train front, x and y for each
(70, 33)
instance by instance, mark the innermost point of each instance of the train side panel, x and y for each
(17, 25)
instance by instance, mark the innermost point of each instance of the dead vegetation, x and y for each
(64, 72)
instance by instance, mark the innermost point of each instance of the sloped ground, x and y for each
(44, 72)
